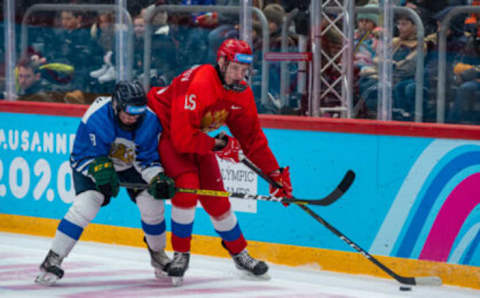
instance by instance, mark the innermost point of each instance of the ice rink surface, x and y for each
(100, 270)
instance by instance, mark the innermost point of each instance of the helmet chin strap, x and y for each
(234, 87)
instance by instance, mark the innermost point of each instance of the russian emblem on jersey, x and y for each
(213, 120)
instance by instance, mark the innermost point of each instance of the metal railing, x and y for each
(284, 77)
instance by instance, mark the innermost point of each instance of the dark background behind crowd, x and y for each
(71, 55)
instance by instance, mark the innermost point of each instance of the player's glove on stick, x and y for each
(162, 187)
(106, 179)
(230, 150)
(282, 177)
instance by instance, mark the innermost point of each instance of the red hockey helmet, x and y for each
(235, 50)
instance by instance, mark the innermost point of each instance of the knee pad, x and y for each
(152, 211)
(85, 207)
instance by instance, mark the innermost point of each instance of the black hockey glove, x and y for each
(106, 179)
(162, 187)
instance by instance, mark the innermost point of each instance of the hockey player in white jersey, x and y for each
(117, 140)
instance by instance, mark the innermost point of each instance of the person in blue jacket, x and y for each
(116, 141)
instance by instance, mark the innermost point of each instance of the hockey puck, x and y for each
(403, 288)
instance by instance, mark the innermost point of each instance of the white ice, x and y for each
(100, 270)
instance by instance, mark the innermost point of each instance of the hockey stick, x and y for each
(235, 195)
(424, 280)
(342, 187)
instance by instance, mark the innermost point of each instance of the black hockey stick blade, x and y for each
(423, 280)
(337, 192)
(325, 201)
(342, 187)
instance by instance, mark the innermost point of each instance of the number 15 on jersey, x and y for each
(190, 103)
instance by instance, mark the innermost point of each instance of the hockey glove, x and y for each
(162, 187)
(230, 150)
(106, 179)
(282, 177)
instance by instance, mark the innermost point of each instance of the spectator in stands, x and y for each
(103, 34)
(194, 34)
(166, 44)
(275, 15)
(227, 27)
(473, 20)
(466, 101)
(465, 107)
(425, 12)
(404, 53)
(31, 86)
(366, 38)
(404, 68)
(138, 52)
(73, 45)
(102, 31)
(455, 47)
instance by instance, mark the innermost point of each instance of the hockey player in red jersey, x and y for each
(200, 100)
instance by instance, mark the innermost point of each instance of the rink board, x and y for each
(414, 202)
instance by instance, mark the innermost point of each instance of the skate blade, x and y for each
(177, 281)
(46, 279)
(160, 274)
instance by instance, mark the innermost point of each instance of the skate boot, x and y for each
(159, 261)
(51, 270)
(178, 266)
(251, 266)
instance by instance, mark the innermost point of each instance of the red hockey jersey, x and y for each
(196, 102)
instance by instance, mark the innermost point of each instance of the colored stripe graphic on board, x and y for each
(436, 174)
(453, 167)
(450, 218)
(471, 250)
(436, 153)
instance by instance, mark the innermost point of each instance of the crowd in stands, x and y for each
(462, 59)
(71, 55)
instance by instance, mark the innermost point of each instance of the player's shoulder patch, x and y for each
(99, 103)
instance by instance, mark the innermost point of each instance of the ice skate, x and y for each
(99, 72)
(159, 261)
(108, 75)
(251, 266)
(51, 270)
(178, 266)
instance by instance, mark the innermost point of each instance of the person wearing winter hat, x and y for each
(366, 38)
(368, 16)
(274, 14)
